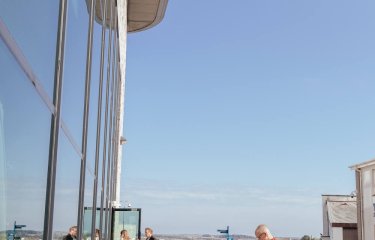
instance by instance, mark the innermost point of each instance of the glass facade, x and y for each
(129, 219)
(25, 137)
(35, 32)
(37, 188)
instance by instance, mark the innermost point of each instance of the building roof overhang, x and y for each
(145, 14)
(342, 213)
(362, 165)
(141, 14)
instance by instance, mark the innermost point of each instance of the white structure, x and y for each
(133, 16)
(365, 186)
(74, 28)
(339, 217)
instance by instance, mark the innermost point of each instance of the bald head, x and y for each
(263, 233)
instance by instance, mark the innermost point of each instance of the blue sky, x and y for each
(236, 113)
(245, 112)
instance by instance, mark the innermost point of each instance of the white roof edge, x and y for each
(335, 195)
(362, 165)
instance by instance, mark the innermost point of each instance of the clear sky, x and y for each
(245, 112)
(237, 113)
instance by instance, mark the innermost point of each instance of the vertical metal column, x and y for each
(105, 159)
(113, 126)
(109, 154)
(85, 121)
(99, 121)
(55, 124)
(110, 147)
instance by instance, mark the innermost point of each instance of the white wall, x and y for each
(326, 225)
(337, 233)
(367, 201)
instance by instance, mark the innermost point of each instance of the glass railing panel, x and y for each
(25, 123)
(66, 188)
(34, 24)
(126, 219)
(92, 134)
(74, 68)
(88, 221)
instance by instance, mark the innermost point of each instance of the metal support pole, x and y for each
(85, 121)
(114, 131)
(99, 122)
(105, 159)
(110, 150)
(55, 124)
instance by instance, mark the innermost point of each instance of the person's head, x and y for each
(263, 233)
(148, 232)
(73, 231)
(124, 233)
(97, 233)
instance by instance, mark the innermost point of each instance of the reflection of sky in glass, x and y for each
(2, 172)
(26, 122)
(25, 135)
(74, 67)
(34, 29)
(67, 186)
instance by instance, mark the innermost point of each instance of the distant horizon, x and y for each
(159, 234)
(156, 234)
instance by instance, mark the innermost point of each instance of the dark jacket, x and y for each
(68, 237)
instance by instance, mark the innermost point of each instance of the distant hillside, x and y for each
(36, 235)
(29, 234)
(209, 237)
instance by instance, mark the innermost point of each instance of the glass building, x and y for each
(62, 82)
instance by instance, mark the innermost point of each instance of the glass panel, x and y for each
(91, 145)
(75, 67)
(87, 222)
(95, 70)
(67, 188)
(88, 201)
(24, 147)
(3, 206)
(33, 24)
(126, 219)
